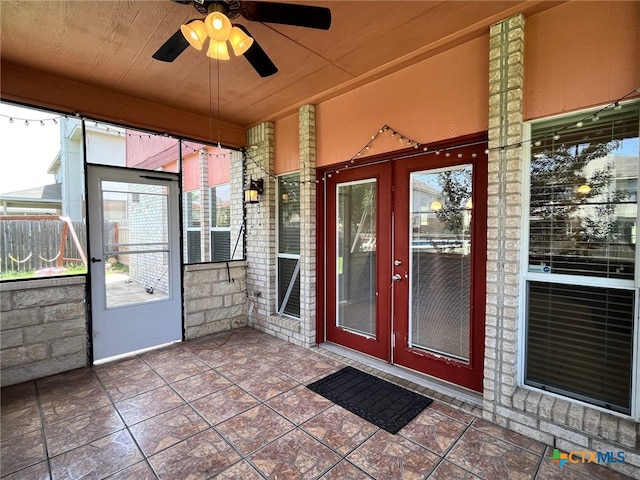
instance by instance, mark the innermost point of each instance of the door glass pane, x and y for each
(356, 257)
(135, 242)
(440, 246)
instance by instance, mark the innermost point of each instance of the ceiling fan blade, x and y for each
(173, 47)
(287, 13)
(258, 58)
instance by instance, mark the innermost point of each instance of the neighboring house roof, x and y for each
(48, 196)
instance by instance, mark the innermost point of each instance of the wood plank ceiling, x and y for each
(108, 44)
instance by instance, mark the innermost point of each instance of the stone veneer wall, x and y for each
(212, 303)
(566, 424)
(43, 328)
(261, 235)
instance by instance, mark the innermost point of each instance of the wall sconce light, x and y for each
(436, 206)
(252, 190)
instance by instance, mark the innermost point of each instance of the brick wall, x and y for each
(261, 235)
(43, 328)
(556, 421)
(211, 302)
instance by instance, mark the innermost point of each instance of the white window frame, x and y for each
(578, 280)
(211, 219)
(280, 308)
(187, 228)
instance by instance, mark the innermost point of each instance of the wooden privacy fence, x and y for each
(31, 243)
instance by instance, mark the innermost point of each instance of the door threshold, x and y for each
(445, 388)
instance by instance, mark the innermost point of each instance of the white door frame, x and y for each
(140, 324)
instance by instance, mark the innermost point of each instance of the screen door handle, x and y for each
(94, 259)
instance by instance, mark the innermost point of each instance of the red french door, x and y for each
(405, 255)
(358, 270)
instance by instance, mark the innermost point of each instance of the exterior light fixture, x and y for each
(252, 190)
(436, 206)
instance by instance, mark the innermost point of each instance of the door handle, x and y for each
(397, 277)
(94, 259)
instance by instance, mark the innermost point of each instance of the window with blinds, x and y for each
(580, 342)
(220, 235)
(192, 211)
(582, 232)
(288, 275)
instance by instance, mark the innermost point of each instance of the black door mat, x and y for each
(384, 404)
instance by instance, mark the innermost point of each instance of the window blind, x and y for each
(580, 342)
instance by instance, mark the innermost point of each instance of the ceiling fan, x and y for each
(218, 29)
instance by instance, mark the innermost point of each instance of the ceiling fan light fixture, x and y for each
(218, 50)
(218, 26)
(195, 33)
(240, 41)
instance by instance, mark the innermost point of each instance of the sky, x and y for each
(26, 151)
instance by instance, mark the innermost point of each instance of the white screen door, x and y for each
(135, 260)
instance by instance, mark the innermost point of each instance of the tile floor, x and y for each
(234, 406)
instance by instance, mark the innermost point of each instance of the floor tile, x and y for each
(222, 405)
(265, 387)
(201, 385)
(164, 430)
(63, 383)
(39, 471)
(241, 470)
(245, 368)
(553, 471)
(70, 402)
(491, 458)
(199, 457)
(139, 471)
(448, 471)
(254, 428)
(433, 431)
(18, 397)
(454, 413)
(390, 457)
(305, 369)
(339, 429)
(345, 471)
(176, 366)
(133, 385)
(147, 405)
(85, 428)
(19, 422)
(110, 372)
(97, 459)
(21, 452)
(510, 436)
(294, 456)
(299, 404)
(219, 357)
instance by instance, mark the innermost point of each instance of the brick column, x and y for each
(506, 79)
(307, 139)
(261, 227)
(237, 205)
